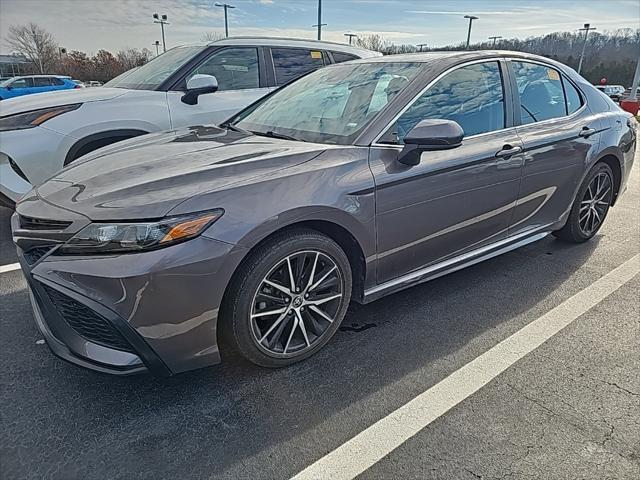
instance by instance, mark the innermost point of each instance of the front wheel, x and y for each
(590, 207)
(289, 298)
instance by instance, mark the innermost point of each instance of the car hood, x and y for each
(146, 177)
(36, 101)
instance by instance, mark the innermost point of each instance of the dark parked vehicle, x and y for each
(614, 92)
(351, 183)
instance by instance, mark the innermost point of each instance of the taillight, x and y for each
(77, 86)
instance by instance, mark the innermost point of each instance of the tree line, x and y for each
(45, 55)
(611, 55)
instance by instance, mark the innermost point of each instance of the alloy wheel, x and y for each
(595, 203)
(296, 303)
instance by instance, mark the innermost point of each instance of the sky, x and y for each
(90, 25)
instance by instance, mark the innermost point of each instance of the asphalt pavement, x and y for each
(570, 409)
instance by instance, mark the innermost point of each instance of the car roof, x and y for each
(297, 42)
(41, 76)
(451, 54)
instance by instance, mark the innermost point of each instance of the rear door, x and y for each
(41, 84)
(239, 71)
(454, 200)
(559, 134)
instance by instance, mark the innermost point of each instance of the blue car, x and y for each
(18, 86)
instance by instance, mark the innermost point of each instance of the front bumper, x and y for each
(155, 311)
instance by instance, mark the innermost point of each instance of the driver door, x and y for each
(237, 70)
(454, 200)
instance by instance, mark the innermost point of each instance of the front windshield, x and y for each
(151, 75)
(331, 105)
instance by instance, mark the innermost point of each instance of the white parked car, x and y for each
(189, 85)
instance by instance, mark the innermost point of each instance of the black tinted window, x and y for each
(56, 81)
(291, 63)
(472, 96)
(574, 101)
(340, 57)
(234, 68)
(41, 82)
(541, 92)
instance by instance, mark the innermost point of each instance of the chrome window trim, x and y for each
(491, 59)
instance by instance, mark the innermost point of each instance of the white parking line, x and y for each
(371, 445)
(9, 268)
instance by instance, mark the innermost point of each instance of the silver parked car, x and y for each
(351, 183)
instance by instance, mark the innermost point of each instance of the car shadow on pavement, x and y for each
(131, 424)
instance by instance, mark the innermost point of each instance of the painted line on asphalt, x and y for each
(9, 268)
(371, 445)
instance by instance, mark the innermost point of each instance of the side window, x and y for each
(234, 68)
(22, 83)
(290, 63)
(472, 96)
(56, 81)
(574, 101)
(41, 82)
(340, 57)
(541, 92)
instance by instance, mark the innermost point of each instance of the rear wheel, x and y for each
(289, 298)
(590, 207)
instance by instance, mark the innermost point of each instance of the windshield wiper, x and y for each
(272, 134)
(229, 126)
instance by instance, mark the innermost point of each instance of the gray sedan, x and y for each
(351, 183)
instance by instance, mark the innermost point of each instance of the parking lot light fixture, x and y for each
(493, 45)
(471, 19)
(586, 29)
(226, 7)
(162, 20)
(351, 36)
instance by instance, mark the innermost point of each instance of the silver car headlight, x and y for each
(97, 238)
(20, 121)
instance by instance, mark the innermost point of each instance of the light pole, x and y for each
(471, 19)
(157, 44)
(587, 28)
(420, 45)
(226, 7)
(319, 24)
(162, 20)
(494, 40)
(351, 37)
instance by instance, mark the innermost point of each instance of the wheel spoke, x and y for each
(321, 313)
(322, 279)
(604, 194)
(293, 283)
(313, 271)
(270, 312)
(302, 328)
(282, 288)
(293, 329)
(273, 326)
(320, 301)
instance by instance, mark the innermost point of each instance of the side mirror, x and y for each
(198, 85)
(430, 135)
(8, 87)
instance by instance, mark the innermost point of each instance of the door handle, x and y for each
(508, 151)
(586, 132)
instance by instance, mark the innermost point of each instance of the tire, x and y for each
(296, 331)
(583, 207)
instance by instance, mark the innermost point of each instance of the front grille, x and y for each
(87, 323)
(36, 253)
(31, 223)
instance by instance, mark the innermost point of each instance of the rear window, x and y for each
(41, 82)
(291, 63)
(56, 81)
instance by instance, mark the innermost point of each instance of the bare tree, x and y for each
(374, 41)
(132, 57)
(211, 36)
(35, 43)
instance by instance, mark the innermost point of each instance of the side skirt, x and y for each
(454, 264)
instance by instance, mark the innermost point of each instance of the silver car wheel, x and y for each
(296, 303)
(595, 203)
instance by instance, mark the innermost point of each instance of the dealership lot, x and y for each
(569, 409)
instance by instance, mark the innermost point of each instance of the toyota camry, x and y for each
(349, 184)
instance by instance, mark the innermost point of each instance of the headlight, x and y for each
(20, 121)
(137, 237)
